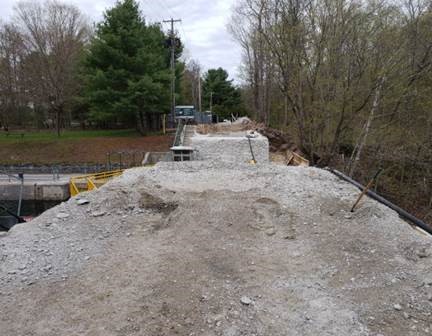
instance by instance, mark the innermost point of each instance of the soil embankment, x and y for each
(204, 248)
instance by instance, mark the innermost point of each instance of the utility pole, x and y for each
(199, 92)
(211, 101)
(173, 76)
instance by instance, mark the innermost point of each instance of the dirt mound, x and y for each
(279, 141)
(206, 248)
(150, 202)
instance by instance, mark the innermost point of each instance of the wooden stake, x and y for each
(365, 190)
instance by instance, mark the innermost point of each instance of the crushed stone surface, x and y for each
(212, 248)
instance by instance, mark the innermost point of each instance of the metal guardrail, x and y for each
(178, 139)
(124, 159)
(91, 181)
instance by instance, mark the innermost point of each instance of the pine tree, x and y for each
(225, 97)
(126, 74)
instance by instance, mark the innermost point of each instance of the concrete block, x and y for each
(155, 157)
(55, 191)
(230, 146)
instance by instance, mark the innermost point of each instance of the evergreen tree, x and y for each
(225, 97)
(126, 74)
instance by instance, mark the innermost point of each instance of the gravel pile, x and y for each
(213, 248)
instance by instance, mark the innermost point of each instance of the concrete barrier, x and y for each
(230, 146)
(43, 191)
(155, 157)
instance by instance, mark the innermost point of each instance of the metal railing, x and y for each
(178, 139)
(124, 159)
(91, 181)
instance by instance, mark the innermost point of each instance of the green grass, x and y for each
(44, 136)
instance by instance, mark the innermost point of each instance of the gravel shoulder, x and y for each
(206, 248)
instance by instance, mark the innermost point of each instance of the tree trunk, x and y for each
(141, 123)
(362, 140)
(149, 121)
(59, 111)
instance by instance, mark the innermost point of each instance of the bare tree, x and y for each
(192, 83)
(248, 22)
(12, 91)
(325, 58)
(354, 79)
(54, 35)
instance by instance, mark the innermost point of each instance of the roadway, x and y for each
(36, 178)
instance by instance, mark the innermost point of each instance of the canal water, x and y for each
(29, 209)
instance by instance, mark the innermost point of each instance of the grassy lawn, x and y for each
(76, 147)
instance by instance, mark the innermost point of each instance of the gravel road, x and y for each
(206, 248)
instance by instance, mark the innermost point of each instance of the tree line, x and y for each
(39, 53)
(56, 69)
(351, 79)
(218, 93)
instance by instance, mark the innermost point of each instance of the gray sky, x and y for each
(203, 27)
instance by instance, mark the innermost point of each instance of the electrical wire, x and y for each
(152, 14)
(173, 14)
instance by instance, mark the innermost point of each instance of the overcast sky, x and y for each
(203, 27)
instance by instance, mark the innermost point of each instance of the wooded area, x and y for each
(218, 92)
(40, 52)
(351, 80)
(57, 71)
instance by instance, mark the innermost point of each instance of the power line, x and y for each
(173, 43)
(184, 32)
(163, 8)
(158, 16)
(168, 8)
(173, 13)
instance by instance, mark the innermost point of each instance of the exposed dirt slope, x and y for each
(214, 249)
(75, 151)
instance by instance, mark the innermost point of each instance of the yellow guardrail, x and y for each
(91, 181)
